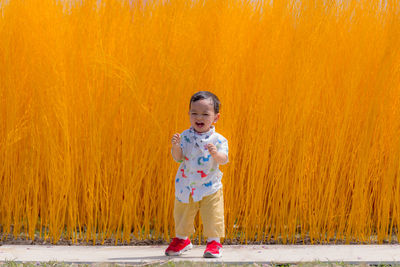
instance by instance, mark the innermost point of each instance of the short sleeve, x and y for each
(184, 142)
(222, 146)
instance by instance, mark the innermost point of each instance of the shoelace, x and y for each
(176, 241)
(214, 246)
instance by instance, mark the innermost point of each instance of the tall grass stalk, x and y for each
(92, 91)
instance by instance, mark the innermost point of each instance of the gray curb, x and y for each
(241, 254)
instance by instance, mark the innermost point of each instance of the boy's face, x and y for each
(202, 115)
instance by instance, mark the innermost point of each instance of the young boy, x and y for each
(200, 150)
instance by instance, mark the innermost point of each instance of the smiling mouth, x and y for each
(199, 124)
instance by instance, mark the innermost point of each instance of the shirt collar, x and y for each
(202, 135)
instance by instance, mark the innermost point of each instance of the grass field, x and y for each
(92, 91)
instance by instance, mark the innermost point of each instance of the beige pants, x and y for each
(211, 212)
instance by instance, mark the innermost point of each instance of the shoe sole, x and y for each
(210, 255)
(178, 253)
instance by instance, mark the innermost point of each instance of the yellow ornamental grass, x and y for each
(91, 92)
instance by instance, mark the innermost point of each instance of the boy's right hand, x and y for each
(176, 140)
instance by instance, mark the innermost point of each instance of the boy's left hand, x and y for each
(212, 149)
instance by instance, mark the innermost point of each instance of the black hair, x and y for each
(205, 95)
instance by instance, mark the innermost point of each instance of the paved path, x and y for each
(372, 254)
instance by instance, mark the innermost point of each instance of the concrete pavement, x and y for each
(372, 254)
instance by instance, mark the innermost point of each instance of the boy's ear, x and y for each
(216, 117)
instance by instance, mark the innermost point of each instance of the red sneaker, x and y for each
(213, 250)
(178, 246)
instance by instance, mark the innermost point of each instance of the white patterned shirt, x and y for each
(198, 174)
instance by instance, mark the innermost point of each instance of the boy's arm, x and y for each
(176, 150)
(219, 157)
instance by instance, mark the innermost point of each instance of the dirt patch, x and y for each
(24, 240)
